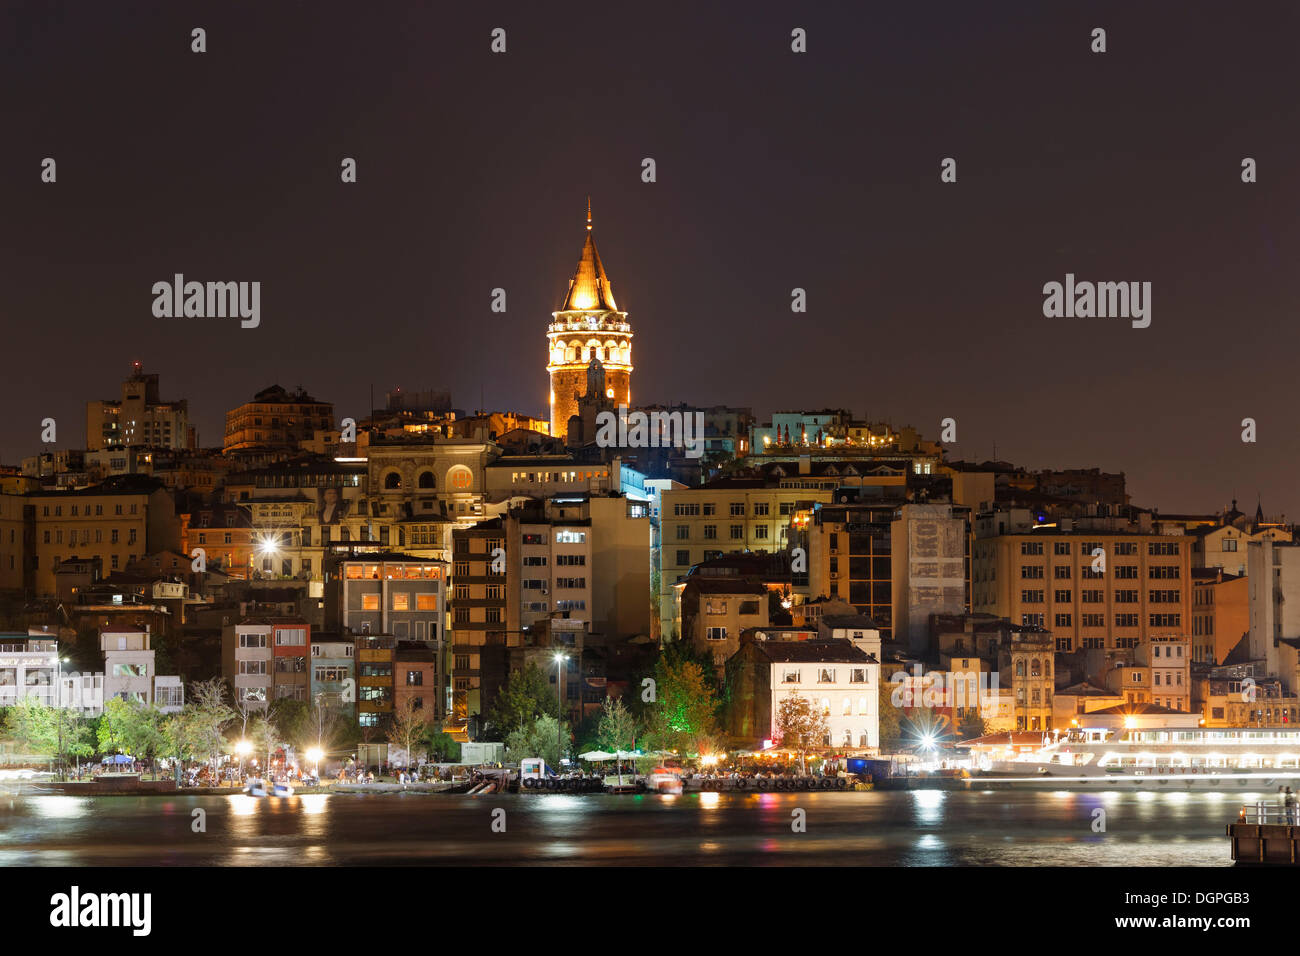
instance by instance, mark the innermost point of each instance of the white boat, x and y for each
(257, 787)
(1224, 759)
(663, 780)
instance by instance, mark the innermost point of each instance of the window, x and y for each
(683, 558)
(737, 532)
(401, 601)
(1061, 571)
(252, 667)
(1162, 547)
(683, 532)
(737, 509)
(1031, 597)
(858, 675)
(570, 537)
(1031, 547)
(761, 509)
(415, 678)
(826, 675)
(1063, 597)
(790, 677)
(1063, 620)
(710, 531)
(252, 640)
(370, 602)
(1061, 547)
(760, 532)
(1031, 571)
(716, 634)
(291, 637)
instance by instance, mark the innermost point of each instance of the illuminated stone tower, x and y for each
(587, 326)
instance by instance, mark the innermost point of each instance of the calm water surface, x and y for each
(894, 828)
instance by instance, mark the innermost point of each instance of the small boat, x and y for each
(663, 780)
(257, 787)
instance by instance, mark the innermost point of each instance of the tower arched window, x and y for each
(427, 480)
(392, 481)
(1020, 668)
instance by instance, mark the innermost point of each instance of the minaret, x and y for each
(587, 326)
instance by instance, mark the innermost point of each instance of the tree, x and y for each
(682, 717)
(891, 731)
(541, 738)
(801, 726)
(408, 728)
(617, 727)
(527, 695)
(443, 747)
(265, 737)
(210, 716)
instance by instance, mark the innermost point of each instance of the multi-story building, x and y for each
(224, 532)
(1169, 661)
(730, 514)
(1026, 665)
(1139, 586)
(1220, 613)
(139, 418)
(375, 657)
(715, 610)
(276, 419)
(128, 665)
(290, 655)
(13, 542)
(587, 325)
(246, 658)
(388, 593)
(117, 521)
(479, 642)
(838, 678)
(332, 667)
(1273, 569)
(416, 672)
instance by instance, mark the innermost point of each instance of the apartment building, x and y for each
(1094, 590)
(13, 542)
(1220, 613)
(479, 640)
(139, 418)
(118, 521)
(1168, 659)
(715, 610)
(726, 515)
(276, 419)
(333, 672)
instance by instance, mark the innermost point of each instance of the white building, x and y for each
(837, 677)
(128, 664)
(246, 662)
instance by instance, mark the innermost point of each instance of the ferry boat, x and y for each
(1236, 759)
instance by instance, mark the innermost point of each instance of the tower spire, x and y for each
(589, 214)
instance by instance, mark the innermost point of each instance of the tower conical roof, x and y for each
(589, 289)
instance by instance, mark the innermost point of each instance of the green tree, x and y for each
(540, 738)
(891, 731)
(210, 715)
(617, 727)
(527, 695)
(442, 747)
(683, 716)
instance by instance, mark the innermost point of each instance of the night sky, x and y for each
(775, 170)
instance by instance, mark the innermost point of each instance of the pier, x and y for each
(1265, 834)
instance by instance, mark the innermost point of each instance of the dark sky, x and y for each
(775, 170)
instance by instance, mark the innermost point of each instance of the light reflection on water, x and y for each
(918, 827)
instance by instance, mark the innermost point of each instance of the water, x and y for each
(884, 828)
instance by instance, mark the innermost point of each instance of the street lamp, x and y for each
(58, 705)
(314, 755)
(560, 658)
(243, 748)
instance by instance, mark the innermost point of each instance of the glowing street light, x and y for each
(243, 748)
(314, 755)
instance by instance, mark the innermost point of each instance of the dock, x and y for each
(1265, 834)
